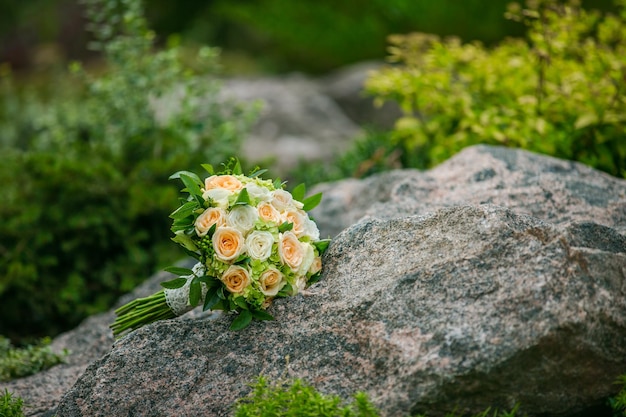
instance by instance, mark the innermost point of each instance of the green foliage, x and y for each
(20, 362)
(559, 92)
(296, 398)
(299, 399)
(85, 191)
(9, 406)
(618, 403)
(324, 34)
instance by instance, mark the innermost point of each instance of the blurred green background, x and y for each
(260, 35)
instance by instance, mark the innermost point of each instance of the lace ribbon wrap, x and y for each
(177, 299)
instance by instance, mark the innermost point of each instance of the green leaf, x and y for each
(211, 299)
(261, 315)
(257, 172)
(314, 278)
(176, 270)
(237, 168)
(299, 192)
(192, 184)
(220, 292)
(322, 245)
(242, 321)
(208, 168)
(278, 183)
(185, 241)
(195, 292)
(185, 210)
(173, 284)
(241, 302)
(311, 202)
(243, 197)
(209, 281)
(285, 227)
(178, 175)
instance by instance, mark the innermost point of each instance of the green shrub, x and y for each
(618, 403)
(9, 406)
(298, 399)
(561, 91)
(85, 197)
(21, 362)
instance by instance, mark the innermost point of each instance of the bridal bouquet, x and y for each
(253, 241)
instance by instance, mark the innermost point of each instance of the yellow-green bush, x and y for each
(84, 193)
(561, 91)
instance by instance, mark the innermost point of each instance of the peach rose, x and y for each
(228, 182)
(295, 217)
(228, 243)
(236, 279)
(208, 218)
(290, 250)
(268, 213)
(271, 281)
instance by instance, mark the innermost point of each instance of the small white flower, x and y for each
(259, 244)
(242, 218)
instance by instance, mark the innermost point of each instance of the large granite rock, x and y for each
(472, 306)
(551, 189)
(425, 302)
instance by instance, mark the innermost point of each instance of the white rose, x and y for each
(242, 218)
(259, 245)
(307, 259)
(218, 195)
(311, 230)
(258, 192)
(300, 285)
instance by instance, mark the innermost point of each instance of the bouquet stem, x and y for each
(140, 312)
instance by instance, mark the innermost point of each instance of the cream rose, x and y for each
(219, 196)
(268, 213)
(236, 279)
(258, 192)
(290, 250)
(271, 281)
(228, 243)
(259, 245)
(307, 258)
(316, 266)
(208, 218)
(293, 216)
(242, 218)
(228, 182)
(282, 200)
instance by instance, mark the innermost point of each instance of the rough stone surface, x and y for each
(473, 305)
(89, 341)
(480, 304)
(551, 189)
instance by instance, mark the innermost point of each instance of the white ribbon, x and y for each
(177, 299)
